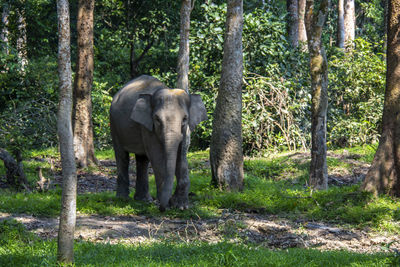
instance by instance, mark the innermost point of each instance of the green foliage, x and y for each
(356, 89)
(21, 248)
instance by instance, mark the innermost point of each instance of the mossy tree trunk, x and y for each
(315, 21)
(183, 56)
(82, 112)
(64, 129)
(383, 176)
(226, 153)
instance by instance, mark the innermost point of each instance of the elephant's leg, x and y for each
(180, 198)
(122, 159)
(142, 178)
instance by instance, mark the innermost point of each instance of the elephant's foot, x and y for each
(179, 202)
(143, 197)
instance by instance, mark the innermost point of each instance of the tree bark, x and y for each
(4, 31)
(82, 113)
(183, 56)
(226, 153)
(302, 25)
(384, 173)
(293, 22)
(349, 24)
(319, 86)
(340, 25)
(22, 39)
(64, 130)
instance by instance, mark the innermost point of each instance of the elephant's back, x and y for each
(130, 92)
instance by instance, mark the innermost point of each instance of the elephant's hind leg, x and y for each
(122, 159)
(142, 178)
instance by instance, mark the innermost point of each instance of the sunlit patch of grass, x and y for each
(106, 154)
(363, 153)
(21, 248)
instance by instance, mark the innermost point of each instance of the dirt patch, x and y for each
(268, 231)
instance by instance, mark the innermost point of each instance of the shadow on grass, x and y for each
(22, 248)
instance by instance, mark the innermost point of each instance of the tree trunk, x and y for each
(226, 153)
(21, 40)
(82, 116)
(183, 69)
(64, 129)
(293, 22)
(183, 56)
(4, 31)
(302, 25)
(319, 87)
(384, 173)
(349, 23)
(340, 24)
(385, 22)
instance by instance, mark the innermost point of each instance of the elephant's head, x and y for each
(168, 113)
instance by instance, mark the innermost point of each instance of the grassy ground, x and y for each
(274, 185)
(21, 248)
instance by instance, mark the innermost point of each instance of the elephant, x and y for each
(154, 122)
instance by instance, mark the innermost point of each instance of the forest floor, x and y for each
(249, 226)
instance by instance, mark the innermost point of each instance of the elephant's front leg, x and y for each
(180, 199)
(142, 178)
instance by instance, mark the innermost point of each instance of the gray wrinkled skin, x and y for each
(152, 121)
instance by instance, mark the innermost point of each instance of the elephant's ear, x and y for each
(141, 112)
(197, 111)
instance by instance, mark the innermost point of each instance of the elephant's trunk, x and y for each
(171, 151)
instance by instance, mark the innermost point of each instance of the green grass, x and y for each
(275, 185)
(18, 247)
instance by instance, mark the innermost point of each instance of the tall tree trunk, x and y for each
(302, 25)
(226, 153)
(21, 40)
(384, 173)
(183, 56)
(82, 116)
(349, 23)
(293, 22)
(340, 25)
(64, 129)
(4, 31)
(183, 70)
(319, 86)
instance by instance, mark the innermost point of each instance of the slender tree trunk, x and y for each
(319, 86)
(21, 40)
(302, 25)
(4, 31)
(340, 24)
(293, 22)
(64, 129)
(384, 173)
(349, 23)
(226, 154)
(183, 56)
(183, 69)
(82, 116)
